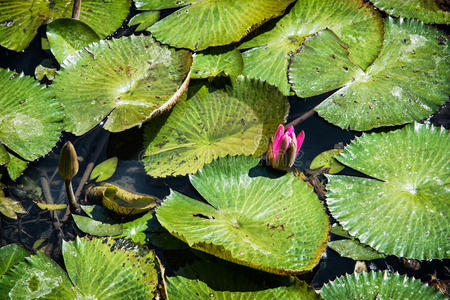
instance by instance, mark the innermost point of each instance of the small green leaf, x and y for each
(41, 71)
(326, 160)
(44, 44)
(104, 170)
(66, 36)
(428, 11)
(337, 229)
(217, 62)
(4, 155)
(16, 166)
(378, 285)
(354, 250)
(97, 228)
(11, 255)
(144, 19)
(134, 230)
(45, 206)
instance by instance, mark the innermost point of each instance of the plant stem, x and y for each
(74, 207)
(302, 118)
(76, 10)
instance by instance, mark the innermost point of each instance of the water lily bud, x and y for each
(284, 147)
(68, 162)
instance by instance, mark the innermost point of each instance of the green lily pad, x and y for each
(200, 24)
(11, 255)
(124, 202)
(30, 120)
(144, 20)
(19, 20)
(428, 11)
(16, 166)
(407, 82)
(42, 71)
(214, 123)
(4, 155)
(378, 285)
(108, 269)
(355, 23)
(249, 220)
(130, 79)
(217, 62)
(135, 230)
(10, 207)
(402, 209)
(66, 36)
(327, 160)
(186, 289)
(104, 170)
(354, 250)
(97, 228)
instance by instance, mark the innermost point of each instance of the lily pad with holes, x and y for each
(217, 62)
(19, 20)
(104, 170)
(428, 11)
(66, 36)
(402, 209)
(213, 123)
(354, 22)
(249, 219)
(407, 82)
(31, 119)
(128, 79)
(97, 268)
(378, 285)
(200, 24)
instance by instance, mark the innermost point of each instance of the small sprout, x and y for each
(284, 147)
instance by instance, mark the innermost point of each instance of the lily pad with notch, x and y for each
(276, 225)
(401, 209)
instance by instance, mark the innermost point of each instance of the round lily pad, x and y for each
(407, 82)
(198, 25)
(66, 36)
(19, 20)
(356, 23)
(127, 79)
(378, 285)
(276, 225)
(217, 62)
(213, 123)
(31, 119)
(402, 209)
(428, 11)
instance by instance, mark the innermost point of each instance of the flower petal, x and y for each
(300, 139)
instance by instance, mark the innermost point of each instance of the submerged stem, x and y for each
(76, 10)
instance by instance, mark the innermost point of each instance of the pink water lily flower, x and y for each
(284, 147)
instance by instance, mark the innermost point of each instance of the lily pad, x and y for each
(213, 123)
(327, 160)
(354, 250)
(402, 209)
(66, 36)
(217, 62)
(144, 20)
(378, 285)
(94, 227)
(16, 166)
(139, 79)
(47, 206)
(10, 207)
(249, 220)
(186, 289)
(104, 170)
(408, 81)
(19, 20)
(200, 24)
(31, 119)
(428, 11)
(4, 155)
(126, 203)
(11, 255)
(354, 22)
